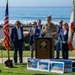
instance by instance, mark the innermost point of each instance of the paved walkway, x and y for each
(25, 59)
(4, 59)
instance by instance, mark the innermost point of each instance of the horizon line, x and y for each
(37, 6)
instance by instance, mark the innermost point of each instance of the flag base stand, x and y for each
(8, 63)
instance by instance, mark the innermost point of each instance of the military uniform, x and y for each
(48, 29)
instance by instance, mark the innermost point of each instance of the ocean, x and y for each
(29, 14)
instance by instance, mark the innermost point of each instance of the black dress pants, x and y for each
(18, 46)
(65, 50)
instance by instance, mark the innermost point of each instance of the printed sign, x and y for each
(57, 67)
(50, 65)
(43, 65)
(67, 64)
(32, 64)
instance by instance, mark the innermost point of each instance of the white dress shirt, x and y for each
(19, 33)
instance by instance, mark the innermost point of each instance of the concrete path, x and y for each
(4, 59)
(25, 59)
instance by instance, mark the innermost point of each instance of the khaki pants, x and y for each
(32, 48)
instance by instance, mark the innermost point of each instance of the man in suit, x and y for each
(33, 34)
(39, 26)
(58, 45)
(17, 39)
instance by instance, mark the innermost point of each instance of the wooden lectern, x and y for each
(44, 48)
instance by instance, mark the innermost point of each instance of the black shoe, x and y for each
(15, 63)
(21, 62)
(56, 58)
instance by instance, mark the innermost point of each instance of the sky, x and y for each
(37, 2)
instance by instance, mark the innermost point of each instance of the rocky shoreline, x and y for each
(26, 27)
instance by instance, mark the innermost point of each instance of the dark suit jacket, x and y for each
(33, 37)
(14, 35)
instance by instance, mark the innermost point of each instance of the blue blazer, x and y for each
(33, 37)
(40, 27)
(62, 36)
(14, 35)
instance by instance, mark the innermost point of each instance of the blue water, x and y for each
(34, 13)
(58, 64)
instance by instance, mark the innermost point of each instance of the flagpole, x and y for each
(8, 55)
(7, 50)
(8, 63)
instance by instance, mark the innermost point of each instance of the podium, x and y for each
(44, 48)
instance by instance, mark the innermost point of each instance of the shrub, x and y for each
(26, 38)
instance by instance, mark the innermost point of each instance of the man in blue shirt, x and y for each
(39, 26)
(58, 45)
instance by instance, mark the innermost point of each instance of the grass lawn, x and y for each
(5, 54)
(22, 70)
(27, 53)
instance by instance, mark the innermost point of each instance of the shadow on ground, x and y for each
(24, 65)
(14, 73)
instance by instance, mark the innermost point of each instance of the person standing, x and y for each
(49, 29)
(58, 45)
(17, 39)
(33, 34)
(39, 26)
(64, 40)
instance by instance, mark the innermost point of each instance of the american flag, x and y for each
(6, 28)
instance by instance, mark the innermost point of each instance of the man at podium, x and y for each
(49, 29)
(45, 44)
